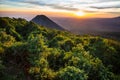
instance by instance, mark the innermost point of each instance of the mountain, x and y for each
(32, 52)
(88, 25)
(117, 18)
(45, 21)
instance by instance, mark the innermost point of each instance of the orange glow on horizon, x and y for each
(79, 14)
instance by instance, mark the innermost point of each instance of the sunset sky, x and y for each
(60, 8)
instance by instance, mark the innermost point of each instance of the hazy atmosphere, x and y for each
(58, 8)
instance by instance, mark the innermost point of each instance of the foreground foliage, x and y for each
(32, 52)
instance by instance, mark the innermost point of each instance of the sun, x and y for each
(80, 13)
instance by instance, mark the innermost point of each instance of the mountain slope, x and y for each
(90, 24)
(45, 21)
(32, 52)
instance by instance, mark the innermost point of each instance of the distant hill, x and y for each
(45, 21)
(117, 18)
(88, 25)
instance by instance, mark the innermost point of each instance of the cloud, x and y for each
(52, 5)
(88, 6)
(107, 0)
(89, 11)
(33, 2)
(115, 12)
(114, 5)
(107, 7)
(63, 7)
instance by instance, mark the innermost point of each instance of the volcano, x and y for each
(45, 21)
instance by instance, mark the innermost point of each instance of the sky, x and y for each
(60, 8)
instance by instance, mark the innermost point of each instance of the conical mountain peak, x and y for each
(45, 21)
(41, 16)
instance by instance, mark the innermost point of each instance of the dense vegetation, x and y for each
(109, 35)
(32, 52)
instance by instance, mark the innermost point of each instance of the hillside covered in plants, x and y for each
(32, 52)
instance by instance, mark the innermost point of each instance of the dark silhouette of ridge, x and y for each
(45, 21)
(117, 18)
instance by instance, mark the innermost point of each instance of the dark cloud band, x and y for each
(105, 7)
